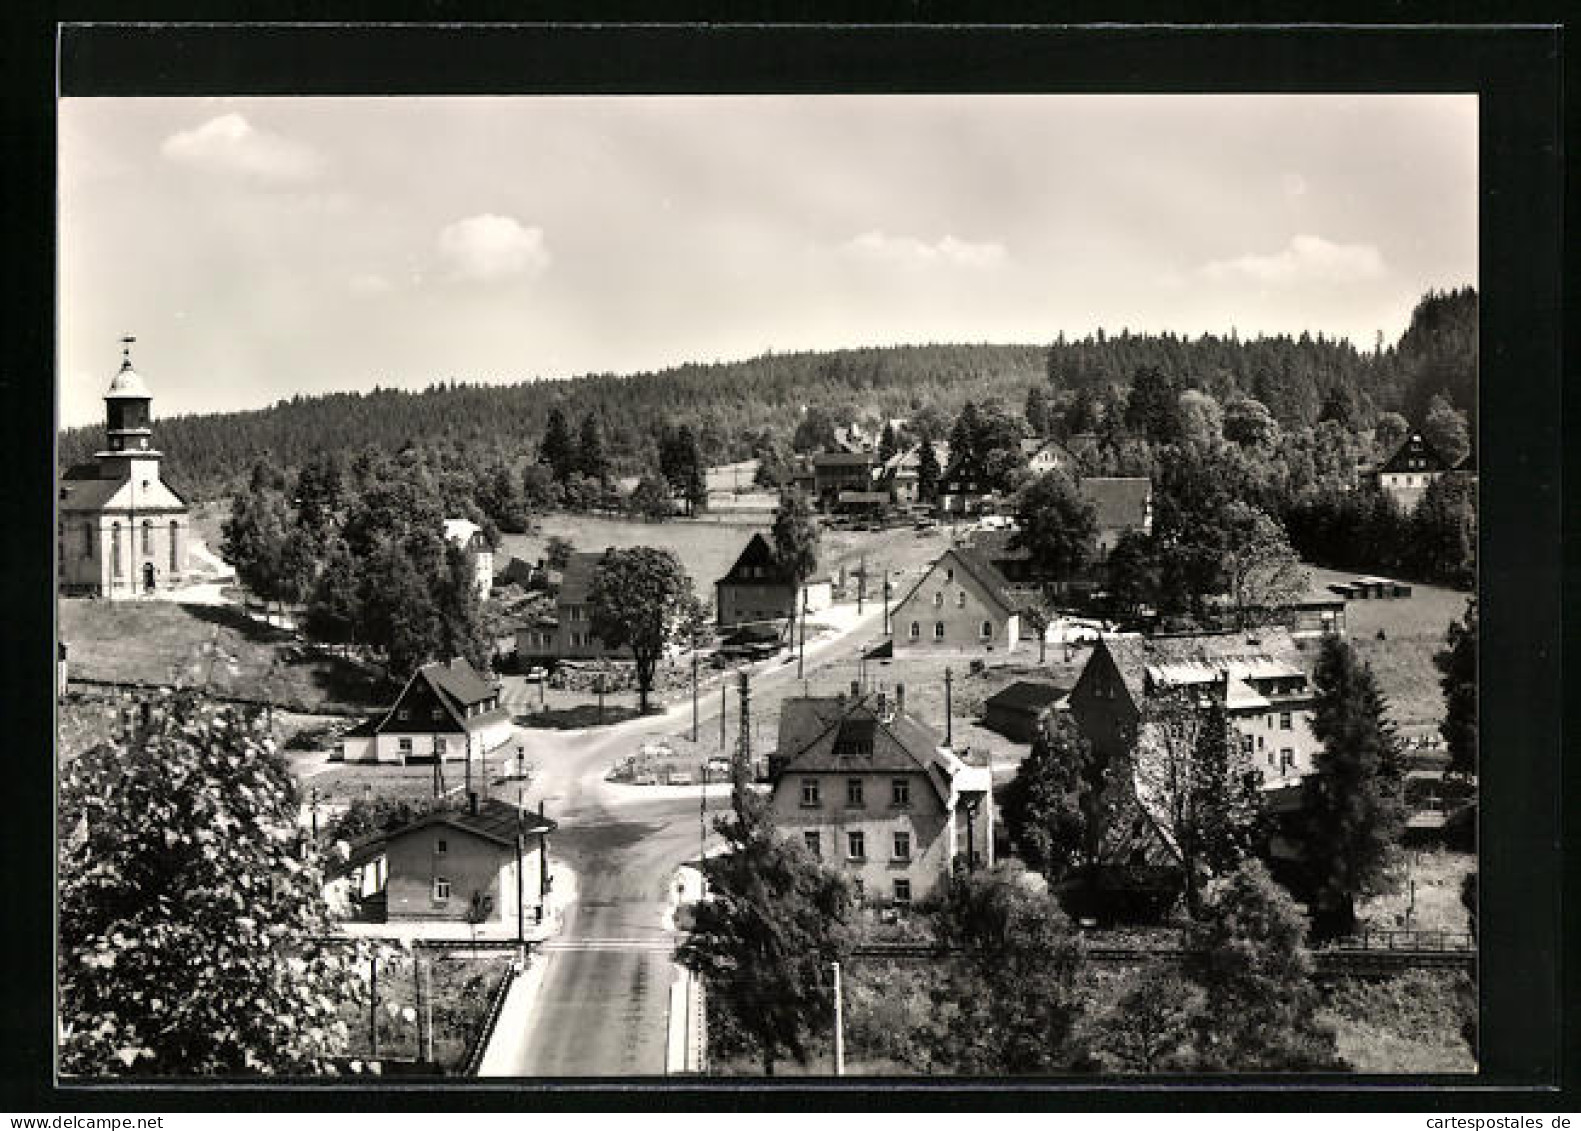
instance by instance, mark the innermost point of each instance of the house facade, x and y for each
(1044, 456)
(122, 532)
(961, 602)
(1017, 711)
(468, 537)
(446, 712)
(1261, 678)
(759, 591)
(835, 473)
(458, 865)
(1406, 474)
(873, 792)
(573, 637)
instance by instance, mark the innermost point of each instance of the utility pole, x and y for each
(521, 910)
(702, 822)
(801, 654)
(428, 1009)
(839, 1024)
(741, 765)
(724, 709)
(417, 996)
(543, 860)
(600, 698)
(373, 1005)
(861, 585)
(694, 688)
(949, 715)
(314, 809)
(886, 602)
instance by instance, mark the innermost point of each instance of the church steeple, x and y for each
(128, 411)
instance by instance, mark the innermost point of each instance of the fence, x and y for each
(485, 1031)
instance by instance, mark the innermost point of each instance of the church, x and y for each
(122, 532)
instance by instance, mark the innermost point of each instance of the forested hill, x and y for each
(734, 407)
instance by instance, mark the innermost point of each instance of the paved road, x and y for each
(601, 1008)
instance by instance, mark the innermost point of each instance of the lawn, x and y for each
(462, 988)
(211, 647)
(1438, 875)
(1398, 638)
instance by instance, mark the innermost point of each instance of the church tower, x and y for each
(122, 531)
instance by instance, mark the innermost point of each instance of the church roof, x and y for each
(128, 385)
(118, 495)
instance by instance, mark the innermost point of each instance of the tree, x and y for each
(1150, 1028)
(1354, 812)
(815, 430)
(1152, 410)
(253, 537)
(1445, 428)
(1059, 805)
(557, 449)
(1249, 423)
(459, 612)
(796, 536)
(681, 463)
(1248, 954)
(334, 608)
(1457, 668)
(1014, 1001)
(398, 614)
(1388, 433)
(1201, 418)
(764, 940)
(1057, 525)
(590, 458)
(191, 910)
(1443, 531)
(638, 599)
(1131, 574)
(1263, 573)
(928, 471)
(888, 443)
(1040, 410)
(1198, 787)
(650, 499)
(557, 552)
(1037, 614)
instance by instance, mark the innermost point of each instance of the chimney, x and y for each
(900, 698)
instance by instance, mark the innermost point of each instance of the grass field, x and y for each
(211, 647)
(1398, 638)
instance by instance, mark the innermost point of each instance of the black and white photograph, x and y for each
(687, 587)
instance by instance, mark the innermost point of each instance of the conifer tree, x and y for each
(557, 449)
(1457, 667)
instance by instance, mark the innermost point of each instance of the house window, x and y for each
(938, 600)
(853, 793)
(406, 747)
(148, 536)
(938, 630)
(902, 846)
(809, 793)
(436, 713)
(1259, 742)
(441, 846)
(576, 612)
(960, 599)
(1284, 720)
(949, 575)
(900, 793)
(856, 845)
(858, 888)
(1287, 759)
(404, 713)
(1270, 757)
(987, 630)
(441, 889)
(175, 542)
(1246, 744)
(812, 842)
(916, 630)
(903, 892)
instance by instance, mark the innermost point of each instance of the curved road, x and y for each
(602, 1006)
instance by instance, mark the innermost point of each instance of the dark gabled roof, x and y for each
(1417, 445)
(458, 680)
(88, 494)
(1117, 502)
(980, 569)
(845, 459)
(811, 730)
(757, 554)
(576, 580)
(495, 820)
(80, 471)
(1025, 695)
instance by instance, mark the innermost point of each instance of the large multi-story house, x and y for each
(122, 530)
(874, 792)
(961, 602)
(843, 477)
(1261, 677)
(446, 712)
(573, 636)
(760, 592)
(469, 538)
(1415, 464)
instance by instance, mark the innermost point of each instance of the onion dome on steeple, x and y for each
(128, 412)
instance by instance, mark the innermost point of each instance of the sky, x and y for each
(262, 248)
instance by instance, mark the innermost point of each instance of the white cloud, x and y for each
(1306, 259)
(911, 251)
(231, 144)
(493, 247)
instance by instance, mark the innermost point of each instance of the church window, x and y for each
(175, 543)
(115, 548)
(148, 536)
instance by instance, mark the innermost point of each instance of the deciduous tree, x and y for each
(796, 535)
(638, 599)
(1061, 802)
(1056, 525)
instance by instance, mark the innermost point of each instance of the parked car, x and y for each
(645, 779)
(680, 777)
(536, 675)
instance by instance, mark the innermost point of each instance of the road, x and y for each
(601, 1007)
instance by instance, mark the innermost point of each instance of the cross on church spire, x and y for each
(126, 350)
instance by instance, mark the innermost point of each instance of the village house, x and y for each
(961, 602)
(874, 792)
(1261, 677)
(122, 531)
(446, 712)
(1019, 710)
(898, 476)
(1406, 474)
(843, 477)
(459, 864)
(469, 538)
(571, 633)
(1043, 456)
(758, 590)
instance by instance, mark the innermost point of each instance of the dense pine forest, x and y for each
(740, 409)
